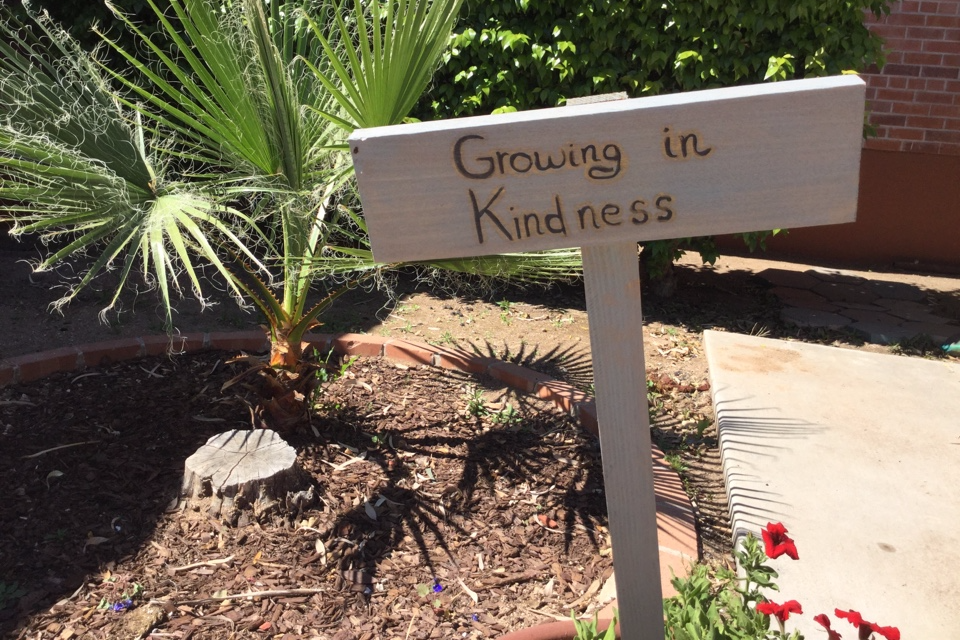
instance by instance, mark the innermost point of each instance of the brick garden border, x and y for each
(34, 366)
(675, 516)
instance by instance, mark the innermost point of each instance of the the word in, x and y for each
(681, 145)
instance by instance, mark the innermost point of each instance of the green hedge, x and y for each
(511, 55)
(526, 54)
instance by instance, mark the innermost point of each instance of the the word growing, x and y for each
(477, 161)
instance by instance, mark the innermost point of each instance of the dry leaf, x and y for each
(53, 475)
(93, 541)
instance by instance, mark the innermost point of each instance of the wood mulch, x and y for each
(432, 521)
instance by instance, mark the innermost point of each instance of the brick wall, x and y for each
(914, 101)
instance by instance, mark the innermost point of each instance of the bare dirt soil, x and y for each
(465, 480)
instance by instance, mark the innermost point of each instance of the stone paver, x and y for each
(813, 319)
(860, 306)
(881, 332)
(896, 290)
(902, 305)
(941, 333)
(787, 278)
(877, 317)
(803, 298)
(880, 311)
(918, 316)
(834, 275)
(858, 454)
(842, 292)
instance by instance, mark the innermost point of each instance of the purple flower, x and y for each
(122, 605)
(437, 587)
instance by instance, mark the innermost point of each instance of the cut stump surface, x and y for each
(239, 470)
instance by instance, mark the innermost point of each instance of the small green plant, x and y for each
(587, 629)
(475, 403)
(717, 603)
(432, 591)
(10, 593)
(676, 462)
(702, 425)
(477, 406)
(507, 415)
(654, 399)
(504, 311)
(326, 374)
(56, 536)
(329, 373)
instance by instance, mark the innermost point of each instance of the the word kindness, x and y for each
(515, 223)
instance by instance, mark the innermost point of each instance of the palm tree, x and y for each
(227, 151)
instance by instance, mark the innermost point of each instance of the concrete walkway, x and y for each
(858, 454)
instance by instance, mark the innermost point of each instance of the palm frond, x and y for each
(537, 267)
(398, 47)
(77, 171)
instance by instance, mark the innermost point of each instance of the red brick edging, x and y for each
(675, 519)
(34, 366)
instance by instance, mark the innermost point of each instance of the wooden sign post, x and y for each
(602, 177)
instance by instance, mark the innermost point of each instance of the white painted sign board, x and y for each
(603, 176)
(701, 163)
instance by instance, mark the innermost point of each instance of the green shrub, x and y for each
(524, 54)
(510, 55)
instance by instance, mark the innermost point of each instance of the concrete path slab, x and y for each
(858, 454)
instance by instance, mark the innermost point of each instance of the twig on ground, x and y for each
(410, 627)
(207, 563)
(547, 614)
(473, 594)
(508, 580)
(344, 465)
(63, 446)
(274, 593)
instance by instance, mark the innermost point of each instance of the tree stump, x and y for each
(246, 470)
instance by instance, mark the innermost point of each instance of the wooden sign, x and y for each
(747, 158)
(603, 176)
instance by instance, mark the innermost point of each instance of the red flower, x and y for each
(866, 628)
(782, 611)
(824, 621)
(852, 616)
(776, 542)
(890, 633)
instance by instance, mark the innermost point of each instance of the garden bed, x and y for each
(426, 478)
